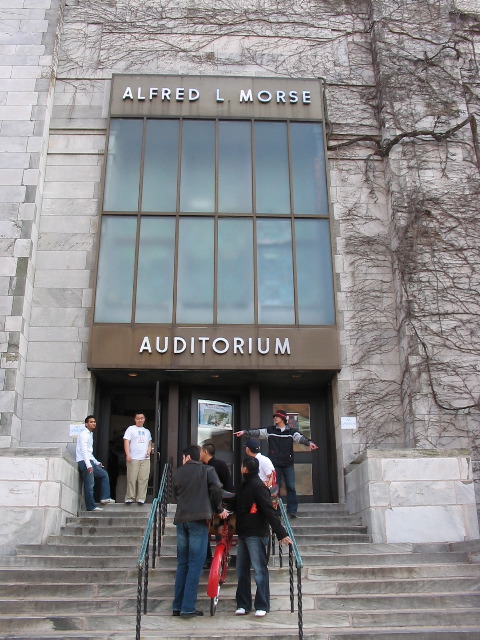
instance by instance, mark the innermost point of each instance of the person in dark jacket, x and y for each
(254, 513)
(280, 451)
(207, 456)
(198, 492)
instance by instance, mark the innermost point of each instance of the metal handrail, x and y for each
(155, 525)
(293, 552)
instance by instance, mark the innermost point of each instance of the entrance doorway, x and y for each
(198, 407)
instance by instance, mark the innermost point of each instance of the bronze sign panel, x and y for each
(216, 97)
(154, 347)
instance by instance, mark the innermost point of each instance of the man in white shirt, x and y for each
(266, 469)
(137, 442)
(90, 468)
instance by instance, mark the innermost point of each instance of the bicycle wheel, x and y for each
(216, 576)
(214, 602)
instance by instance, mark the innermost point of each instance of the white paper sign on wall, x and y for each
(75, 429)
(348, 422)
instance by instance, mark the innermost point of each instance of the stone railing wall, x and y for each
(39, 488)
(414, 495)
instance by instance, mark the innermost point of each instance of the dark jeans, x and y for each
(192, 540)
(252, 552)
(89, 481)
(288, 474)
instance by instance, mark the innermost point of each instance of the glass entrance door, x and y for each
(213, 418)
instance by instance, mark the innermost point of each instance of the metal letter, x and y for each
(176, 342)
(214, 345)
(203, 341)
(279, 348)
(145, 345)
(238, 345)
(259, 346)
(267, 94)
(157, 345)
(293, 95)
(246, 97)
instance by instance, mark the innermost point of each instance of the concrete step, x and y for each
(275, 627)
(326, 529)
(356, 573)
(59, 550)
(421, 586)
(404, 601)
(101, 532)
(73, 562)
(33, 575)
(387, 559)
(96, 521)
(92, 540)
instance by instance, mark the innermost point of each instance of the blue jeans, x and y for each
(89, 480)
(252, 552)
(192, 540)
(288, 474)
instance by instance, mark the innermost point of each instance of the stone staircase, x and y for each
(83, 583)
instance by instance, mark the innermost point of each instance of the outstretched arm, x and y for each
(254, 433)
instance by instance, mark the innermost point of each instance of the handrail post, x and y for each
(145, 580)
(139, 602)
(290, 575)
(300, 605)
(155, 530)
(157, 511)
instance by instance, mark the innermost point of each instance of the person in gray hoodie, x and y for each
(198, 493)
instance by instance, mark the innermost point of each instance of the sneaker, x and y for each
(107, 501)
(97, 509)
(175, 612)
(128, 501)
(259, 613)
(240, 611)
(140, 501)
(292, 515)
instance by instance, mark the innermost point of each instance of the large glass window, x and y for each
(215, 221)
(197, 185)
(123, 165)
(116, 264)
(156, 259)
(195, 271)
(160, 166)
(235, 296)
(275, 273)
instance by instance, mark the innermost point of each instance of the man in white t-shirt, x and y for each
(137, 442)
(265, 465)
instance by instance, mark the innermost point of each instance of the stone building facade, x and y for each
(400, 87)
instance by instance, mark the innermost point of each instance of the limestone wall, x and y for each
(27, 39)
(39, 489)
(405, 272)
(414, 496)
